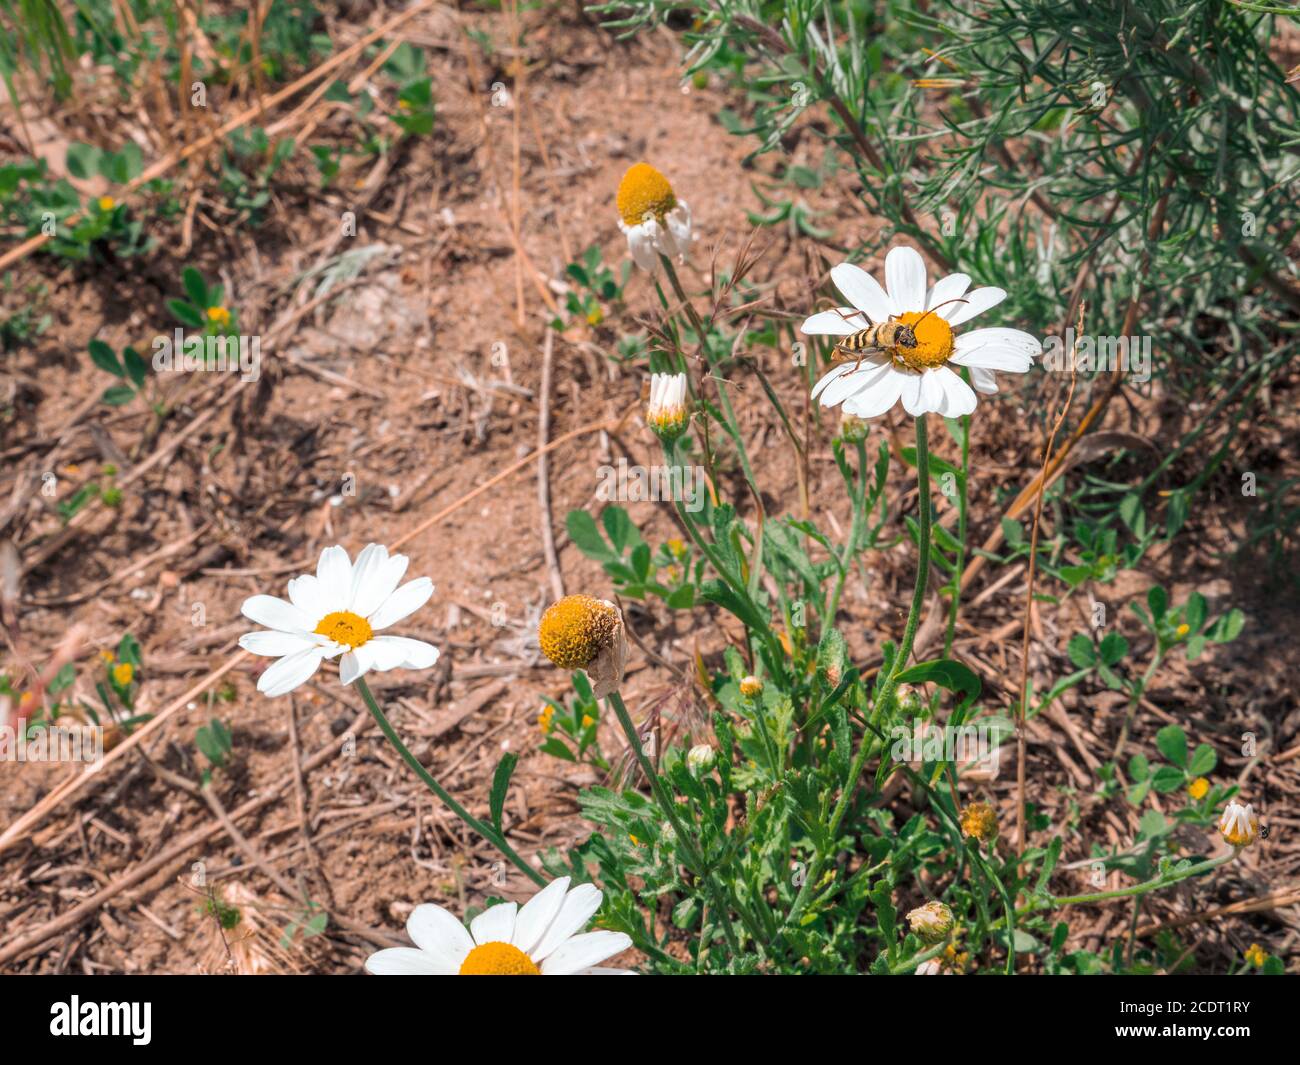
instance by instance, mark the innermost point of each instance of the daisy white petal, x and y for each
(932, 393)
(308, 595)
(439, 934)
(579, 906)
(334, 570)
(912, 395)
(403, 602)
(584, 951)
(869, 374)
(356, 663)
(601, 970)
(496, 924)
(398, 652)
(1012, 350)
(405, 961)
(880, 397)
(641, 243)
(538, 913)
(838, 323)
(952, 287)
(984, 381)
(958, 397)
(977, 303)
(833, 374)
(287, 673)
(277, 614)
(905, 279)
(373, 579)
(863, 291)
(276, 644)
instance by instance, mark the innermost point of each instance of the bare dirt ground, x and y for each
(382, 408)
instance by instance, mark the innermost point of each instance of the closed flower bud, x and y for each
(931, 922)
(667, 414)
(751, 687)
(700, 757)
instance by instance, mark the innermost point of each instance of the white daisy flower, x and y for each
(1239, 824)
(541, 939)
(652, 218)
(338, 611)
(922, 376)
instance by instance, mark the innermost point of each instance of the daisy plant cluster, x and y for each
(752, 821)
(761, 817)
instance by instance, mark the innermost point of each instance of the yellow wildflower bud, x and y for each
(979, 821)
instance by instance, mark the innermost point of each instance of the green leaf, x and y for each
(1172, 742)
(1113, 648)
(947, 674)
(1228, 627)
(682, 598)
(105, 358)
(1168, 778)
(586, 537)
(195, 287)
(641, 561)
(1138, 768)
(1204, 759)
(1158, 601)
(620, 528)
(185, 314)
(83, 161)
(136, 368)
(1081, 651)
(118, 395)
(501, 785)
(1050, 859)
(1153, 824)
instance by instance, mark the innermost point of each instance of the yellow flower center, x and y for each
(644, 193)
(345, 627)
(979, 821)
(218, 314)
(123, 673)
(1240, 837)
(575, 630)
(933, 342)
(667, 419)
(1198, 788)
(107, 203)
(498, 959)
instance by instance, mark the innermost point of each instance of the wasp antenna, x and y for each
(935, 308)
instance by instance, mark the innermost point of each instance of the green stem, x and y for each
(687, 305)
(855, 531)
(1143, 888)
(685, 840)
(884, 700)
(954, 601)
(487, 832)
